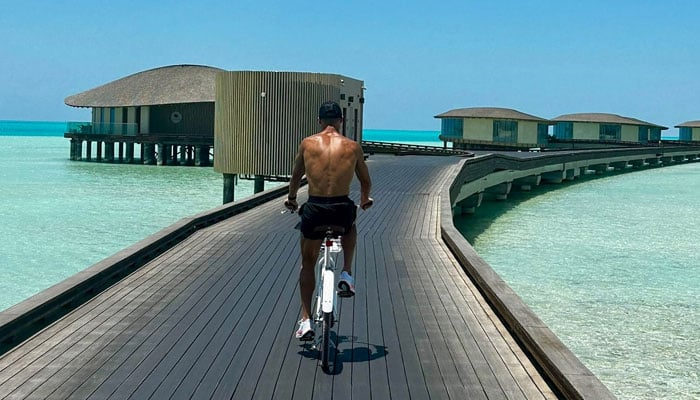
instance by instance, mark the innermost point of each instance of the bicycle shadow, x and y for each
(357, 352)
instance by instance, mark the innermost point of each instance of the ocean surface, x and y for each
(609, 264)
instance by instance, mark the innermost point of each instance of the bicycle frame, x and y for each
(326, 297)
(326, 300)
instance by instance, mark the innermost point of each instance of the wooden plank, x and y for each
(389, 347)
(376, 349)
(413, 367)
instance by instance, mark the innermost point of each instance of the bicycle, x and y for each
(324, 308)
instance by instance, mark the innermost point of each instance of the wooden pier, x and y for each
(161, 149)
(213, 316)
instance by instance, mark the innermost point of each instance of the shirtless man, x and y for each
(329, 161)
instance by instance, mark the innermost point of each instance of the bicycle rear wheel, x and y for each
(326, 345)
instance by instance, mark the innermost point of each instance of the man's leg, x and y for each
(307, 276)
(349, 241)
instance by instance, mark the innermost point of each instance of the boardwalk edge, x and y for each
(559, 364)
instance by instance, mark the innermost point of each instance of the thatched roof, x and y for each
(489, 112)
(173, 84)
(689, 124)
(603, 118)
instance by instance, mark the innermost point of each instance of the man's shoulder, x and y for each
(348, 142)
(310, 139)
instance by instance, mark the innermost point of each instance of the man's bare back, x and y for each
(330, 161)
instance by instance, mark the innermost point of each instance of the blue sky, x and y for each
(639, 59)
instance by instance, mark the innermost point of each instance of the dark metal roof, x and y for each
(489, 112)
(689, 124)
(603, 118)
(173, 84)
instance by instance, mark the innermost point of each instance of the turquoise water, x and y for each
(60, 216)
(611, 266)
(424, 138)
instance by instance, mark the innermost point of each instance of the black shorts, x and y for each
(320, 211)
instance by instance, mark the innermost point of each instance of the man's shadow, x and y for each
(359, 352)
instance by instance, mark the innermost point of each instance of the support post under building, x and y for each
(259, 185)
(229, 187)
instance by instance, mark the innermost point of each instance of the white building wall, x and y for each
(629, 133)
(145, 120)
(478, 129)
(118, 115)
(131, 115)
(586, 131)
(527, 132)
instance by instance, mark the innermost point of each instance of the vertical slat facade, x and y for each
(260, 117)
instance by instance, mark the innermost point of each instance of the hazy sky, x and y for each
(639, 59)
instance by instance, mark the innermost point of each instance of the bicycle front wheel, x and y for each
(326, 345)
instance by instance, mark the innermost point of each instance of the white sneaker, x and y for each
(346, 285)
(305, 333)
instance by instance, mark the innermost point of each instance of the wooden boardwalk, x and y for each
(214, 316)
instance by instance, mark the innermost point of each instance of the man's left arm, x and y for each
(298, 171)
(362, 173)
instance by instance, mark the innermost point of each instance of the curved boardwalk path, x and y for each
(214, 316)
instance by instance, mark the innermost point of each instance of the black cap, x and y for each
(330, 110)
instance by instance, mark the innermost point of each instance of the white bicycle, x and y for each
(324, 308)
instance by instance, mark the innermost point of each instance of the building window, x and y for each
(564, 130)
(610, 132)
(452, 127)
(685, 133)
(542, 133)
(654, 134)
(643, 134)
(505, 131)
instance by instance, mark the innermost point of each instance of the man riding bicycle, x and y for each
(329, 160)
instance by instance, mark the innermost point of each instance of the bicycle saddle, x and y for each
(336, 230)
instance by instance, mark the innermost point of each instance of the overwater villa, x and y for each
(492, 127)
(252, 121)
(609, 129)
(168, 110)
(689, 131)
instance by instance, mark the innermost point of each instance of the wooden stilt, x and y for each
(129, 157)
(78, 150)
(229, 187)
(109, 152)
(99, 151)
(259, 184)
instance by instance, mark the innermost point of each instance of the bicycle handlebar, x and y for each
(364, 207)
